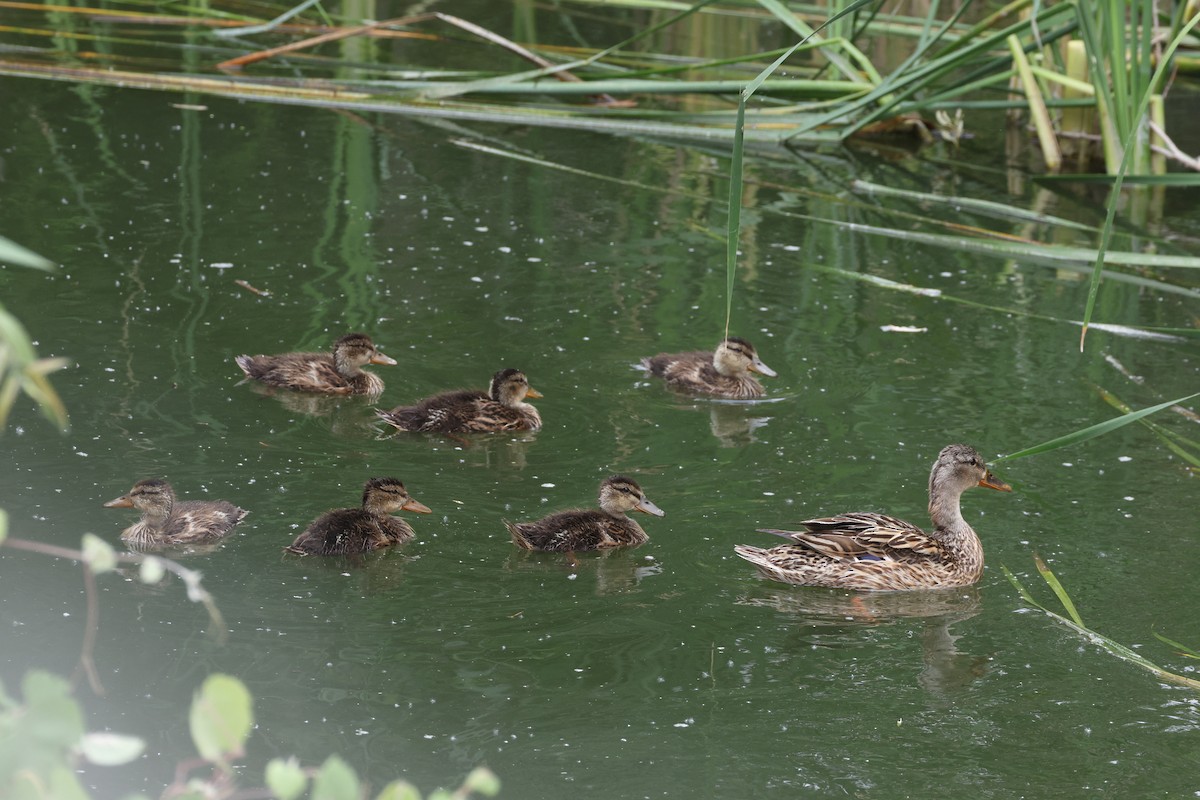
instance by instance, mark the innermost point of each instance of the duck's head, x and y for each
(620, 495)
(735, 357)
(153, 497)
(958, 468)
(510, 387)
(355, 350)
(385, 495)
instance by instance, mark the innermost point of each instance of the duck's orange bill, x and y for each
(380, 358)
(121, 502)
(532, 392)
(413, 505)
(992, 482)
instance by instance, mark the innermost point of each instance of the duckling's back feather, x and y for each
(694, 372)
(463, 411)
(577, 530)
(307, 372)
(345, 531)
(190, 522)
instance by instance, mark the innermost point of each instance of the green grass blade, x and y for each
(1052, 580)
(733, 227)
(1021, 590)
(1092, 431)
(14, 253)
(1182, 648)
(1115, 194)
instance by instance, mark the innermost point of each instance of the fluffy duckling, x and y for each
(501, 408)
(167, 522)
(874, 552)
(359, 530)
(339, 372)
(723, 373)
(590, 530)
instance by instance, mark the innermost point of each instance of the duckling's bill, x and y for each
(762, 369)
(533, 393)
(121, 502)
(646, 507)
(381, 359)
(990, 481)
(416, 507)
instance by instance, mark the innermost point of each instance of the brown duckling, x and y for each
(167, 522)
(338, 372)
(360, 530)
(722, 373)
(874, 552)
(590, 530)
(501, 408)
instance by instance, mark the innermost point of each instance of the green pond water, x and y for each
(667, 671)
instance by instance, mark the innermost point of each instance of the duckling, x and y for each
(723, 373)
(359, 530)
(874, 552)
(502, 408)
(167, 522)
(574, 530)
(336, 373)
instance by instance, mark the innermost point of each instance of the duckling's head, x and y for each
(958, 468)
(356, 349)
(735, 357)
(153, 497)
(385, 495)
(510, 387)
(620, 495)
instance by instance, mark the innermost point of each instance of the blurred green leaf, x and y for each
(3, 525)
(151, 570)
(285, 778)
(53, 716)
(483, 781)
(111, 749)
(399, 790)
(14, 253)
(335, 781)
(98, 554)
(221, 718)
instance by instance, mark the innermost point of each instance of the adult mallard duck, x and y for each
(359, 530)
(590, 530)
(501, 408)
(339, 372)
(167, 522)
(876, 552)
(726, 372)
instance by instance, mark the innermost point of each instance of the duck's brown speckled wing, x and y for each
(857, 551)
(575, 531)
(862, 535)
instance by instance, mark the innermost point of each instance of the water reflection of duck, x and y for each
(610, 526)
(726, 372)
(945, 670)
(501, 408)
(870, 551)
(732, 425)
(344, 531)
(167, 522)
(339, 372)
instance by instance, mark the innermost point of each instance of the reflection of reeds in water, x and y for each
(834, 611)
(616, 571)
